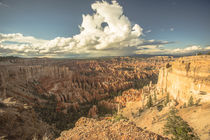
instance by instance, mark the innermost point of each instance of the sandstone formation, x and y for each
(87, 129)
(179, 81)
(186, 77)
(20, 122)
(62, 90)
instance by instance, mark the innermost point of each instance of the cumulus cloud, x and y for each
(118, 33)
(106, 32)
(154, 49)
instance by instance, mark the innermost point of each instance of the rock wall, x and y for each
(186, 77)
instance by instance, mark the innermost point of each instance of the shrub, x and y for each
(118, 117)
(199, 53)
(159, 107)
(184, 105)
(155, 97)
(140, 111)
(176, 126)
(198, 102)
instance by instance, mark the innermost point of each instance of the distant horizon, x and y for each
(135, 55)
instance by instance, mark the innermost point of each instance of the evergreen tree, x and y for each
(149, 102)
(190, 102)
(167, 99)
(176, 126)
(184, 105)
(155, 97)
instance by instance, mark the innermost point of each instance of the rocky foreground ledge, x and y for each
(91, 129)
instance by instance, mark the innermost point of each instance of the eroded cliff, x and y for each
(186, 77)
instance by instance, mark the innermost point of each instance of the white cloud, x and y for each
(154, 49)
(117, 34)
(207, 48)
(148, 31)
(188, 49)
(19, 38)
(107, 32)
(171, 29)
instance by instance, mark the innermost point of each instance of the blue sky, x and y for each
(185, 23)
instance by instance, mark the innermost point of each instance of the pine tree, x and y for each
(167, 99)
(149, 102)
(190, 102)
(176, 126)
(155, 97)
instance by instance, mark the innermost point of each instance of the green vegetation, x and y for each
(168, 65)
(190, 102)
(140, 111)
(177, 127)
(199, 53)
(167, 99)
(118, 117)
(187, 67)
(159, 107)
(155, 97)
(149, 102)
(198, 102)
(184, 105)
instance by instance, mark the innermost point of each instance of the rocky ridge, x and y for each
(87, 128)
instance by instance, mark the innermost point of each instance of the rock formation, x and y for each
(186, 77)
(62, 90)
(19, 121)
(87, 129)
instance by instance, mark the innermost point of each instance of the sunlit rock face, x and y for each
(88, 128)
(186, 77)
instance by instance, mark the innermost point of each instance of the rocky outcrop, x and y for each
(93, 112)
(87, 129)
(19, 121)
(131, 95)
(186, 77)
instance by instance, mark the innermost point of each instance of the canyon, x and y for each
(60, 91)
(83, 96)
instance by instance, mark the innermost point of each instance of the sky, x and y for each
(90, 28)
